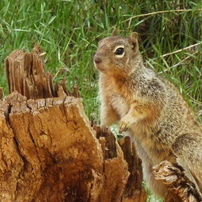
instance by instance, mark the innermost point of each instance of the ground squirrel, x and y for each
(149, 108)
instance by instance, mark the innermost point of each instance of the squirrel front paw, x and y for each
(104, 128)
(123, 126)
(126, 122)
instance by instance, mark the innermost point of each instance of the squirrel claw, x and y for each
(104, 128)
(123, 127)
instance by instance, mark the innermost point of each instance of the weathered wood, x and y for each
(25, 73)
(55, 159)
(179, 186)
(49, 150)
(134, 190)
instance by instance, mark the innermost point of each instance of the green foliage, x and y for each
(68, 31)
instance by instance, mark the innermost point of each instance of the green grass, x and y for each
(68, 31)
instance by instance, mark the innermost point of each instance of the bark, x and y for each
(49, 151)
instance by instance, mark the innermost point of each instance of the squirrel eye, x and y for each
(119, 51)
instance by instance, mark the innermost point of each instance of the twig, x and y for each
(195, 101)
(180, 50)
(161, 12)
(179, 63)
(175, 52)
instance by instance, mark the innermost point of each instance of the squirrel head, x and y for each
(117, 54)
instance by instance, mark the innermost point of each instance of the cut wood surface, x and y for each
(49, 149)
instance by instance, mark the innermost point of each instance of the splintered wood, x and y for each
(50, 153)
(180, 187)
(49, 150)
(25, 73)
(134, 189)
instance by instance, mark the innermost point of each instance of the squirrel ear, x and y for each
(114, 32)
(133, 40)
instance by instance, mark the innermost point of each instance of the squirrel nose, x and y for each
(97, 59)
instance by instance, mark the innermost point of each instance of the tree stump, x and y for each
(49, 149)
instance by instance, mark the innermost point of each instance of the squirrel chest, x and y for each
(116, 94)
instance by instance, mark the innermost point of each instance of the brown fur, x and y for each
(149, 108)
